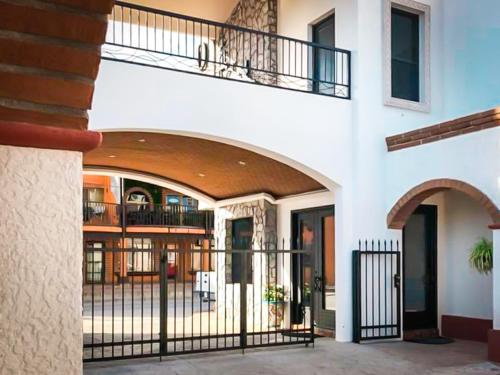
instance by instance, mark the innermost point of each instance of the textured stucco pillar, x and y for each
(496, 279)
(40, 261)
(494, 334)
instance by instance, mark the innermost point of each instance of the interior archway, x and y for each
(213, 168)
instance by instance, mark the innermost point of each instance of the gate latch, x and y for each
(397, 281)
(318, 283)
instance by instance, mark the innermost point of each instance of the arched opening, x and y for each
(404, 207)
(442, 220)
(257, 202)
(217, 168)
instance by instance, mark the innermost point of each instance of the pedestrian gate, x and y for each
(376, 291)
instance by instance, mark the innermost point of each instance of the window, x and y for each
(406, 54)
(405, 51)
(93, 194)
(242, 230)
(189, 202)
(94, 263)
(140, 261)
(173, 199)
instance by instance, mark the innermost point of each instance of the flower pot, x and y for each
(275, 311)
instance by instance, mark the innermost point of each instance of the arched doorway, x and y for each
(441, 220)
(404, 207)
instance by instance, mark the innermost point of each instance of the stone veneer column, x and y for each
(40, 261)
(494, 334)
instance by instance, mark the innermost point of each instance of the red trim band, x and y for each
(494, 226)
(28, 135)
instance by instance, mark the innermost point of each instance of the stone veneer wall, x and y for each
(259, 50)
(264, 237)
(41, 261)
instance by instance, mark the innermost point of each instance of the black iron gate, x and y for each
(376, 291)
(160, 301)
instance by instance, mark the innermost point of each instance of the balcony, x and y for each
(146, 215)
(167, 40)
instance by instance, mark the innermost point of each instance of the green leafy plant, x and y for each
(481, 256)
(274, 294)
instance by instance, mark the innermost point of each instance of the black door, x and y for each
(324, 59)
(241, 240)
(420, 269)
(314, 230)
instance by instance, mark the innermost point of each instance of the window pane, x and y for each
(405, 55)
(328, 230)
(324, 59)
(140, 261)
(172, 199)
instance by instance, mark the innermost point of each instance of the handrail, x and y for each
(146, 214)
(223, 25)
(151, 37)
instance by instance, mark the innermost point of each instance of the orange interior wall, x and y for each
(329, 249)
(103, 182)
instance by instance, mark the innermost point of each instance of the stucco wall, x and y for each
(462, 291)
(41, 261)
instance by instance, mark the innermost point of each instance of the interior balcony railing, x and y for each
(146, 214)
(152, 37)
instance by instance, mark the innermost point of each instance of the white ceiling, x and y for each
(215, 10)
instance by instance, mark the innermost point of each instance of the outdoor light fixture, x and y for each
(142, 140)
(201, 175)
(112, 156)
(242, 163)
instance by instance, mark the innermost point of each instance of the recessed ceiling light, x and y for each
(242, 163)
(201, 175)
(142, 140)
(112, 156)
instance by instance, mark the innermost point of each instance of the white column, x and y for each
(496, 279)
(40, 261)
(343, 265)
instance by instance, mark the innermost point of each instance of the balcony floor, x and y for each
(328, 357)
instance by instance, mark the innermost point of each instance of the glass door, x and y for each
(324, 59)
(314, 230)
(420, 269)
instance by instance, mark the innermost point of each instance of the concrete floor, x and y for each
(328, 357)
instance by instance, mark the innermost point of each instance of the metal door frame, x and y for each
(370, 294)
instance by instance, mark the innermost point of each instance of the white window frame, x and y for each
(424, 12)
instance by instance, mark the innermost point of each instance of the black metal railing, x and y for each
(152, 37)
(98, 213)
(167, 313)
(168, 215)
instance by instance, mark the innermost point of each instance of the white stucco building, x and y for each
(348, 120)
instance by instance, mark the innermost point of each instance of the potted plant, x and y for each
(481, 256)
(275, 297)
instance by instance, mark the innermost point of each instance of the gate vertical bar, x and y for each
(356, 291)
(311, 281)
(398, 290)
(243, 301)
(163, 303)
